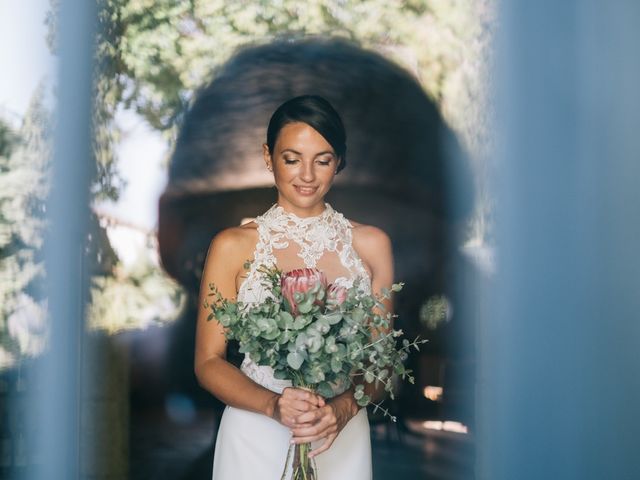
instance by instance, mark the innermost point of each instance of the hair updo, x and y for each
(316, 112)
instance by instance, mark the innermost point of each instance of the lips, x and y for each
(305, 190)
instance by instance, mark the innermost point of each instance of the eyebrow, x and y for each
(298, 153)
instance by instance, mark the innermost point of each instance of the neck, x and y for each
(312, 211)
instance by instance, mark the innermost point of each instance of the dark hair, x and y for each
(316, 112)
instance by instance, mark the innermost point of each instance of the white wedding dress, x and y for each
(252, 446)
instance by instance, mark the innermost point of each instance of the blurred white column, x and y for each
(560, 367)
(58, 402)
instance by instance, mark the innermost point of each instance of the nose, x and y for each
(307, 172)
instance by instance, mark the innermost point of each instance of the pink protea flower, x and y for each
(301, 280)
(336, 295)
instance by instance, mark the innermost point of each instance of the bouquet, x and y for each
(321, 337)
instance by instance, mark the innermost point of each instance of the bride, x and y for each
(305, 149)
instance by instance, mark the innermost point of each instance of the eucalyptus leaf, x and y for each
(287, 305)
(295, 360)
(271, 334)
(305, 307)
(357, 315)
(301, 340)
(281, 375)
(324, 389)
(286, 319)
(300, 322)
(336, 365)
(255, 356)
(333, 318)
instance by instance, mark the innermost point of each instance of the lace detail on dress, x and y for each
(263, 375)
(329, 231)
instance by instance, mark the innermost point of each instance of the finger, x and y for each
(314, 431)
(324, 447)
(326, 414)
(294, 414)
(307, 432)
(294, 406)
(310, 428)
(303, 395)
(303, 406)
(288, 422)
(311, 417)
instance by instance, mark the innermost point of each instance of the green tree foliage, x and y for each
(8, 140)
(153, 54)
(108, 88)
(161, 51)
(23, 189)
(121, 296)
(134, 296)
(168, 48)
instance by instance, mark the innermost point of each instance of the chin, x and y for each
(305, 201)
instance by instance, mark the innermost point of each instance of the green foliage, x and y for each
(23, 191)
(435, 311)
(133, 297)
(109, 84)
(167, 49)
(121, 296)
(327, 346)
(151, 56)
(8, 140)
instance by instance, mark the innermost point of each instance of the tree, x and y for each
(23, 190)
(152, 55)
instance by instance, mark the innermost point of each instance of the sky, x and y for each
(26, 61)
(24, 54)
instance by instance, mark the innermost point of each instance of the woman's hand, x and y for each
(294, 402)
(325, 422)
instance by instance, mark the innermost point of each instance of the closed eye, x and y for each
(291, 161)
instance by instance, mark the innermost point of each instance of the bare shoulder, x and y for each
(234, 244)
(231, 236)
(373, 245)
(369, 237)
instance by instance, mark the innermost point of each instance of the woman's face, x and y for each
(303, 165)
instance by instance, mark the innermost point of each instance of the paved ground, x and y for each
(163, 450)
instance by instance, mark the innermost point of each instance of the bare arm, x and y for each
(380, 255)
(213, 371)
(377, 250)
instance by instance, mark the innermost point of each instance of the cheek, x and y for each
(328, 175)
(283, 174)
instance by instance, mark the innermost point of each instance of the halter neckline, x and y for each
(279, 210)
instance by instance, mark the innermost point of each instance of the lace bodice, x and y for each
(323, 241)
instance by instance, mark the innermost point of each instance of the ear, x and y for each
(267, 157)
